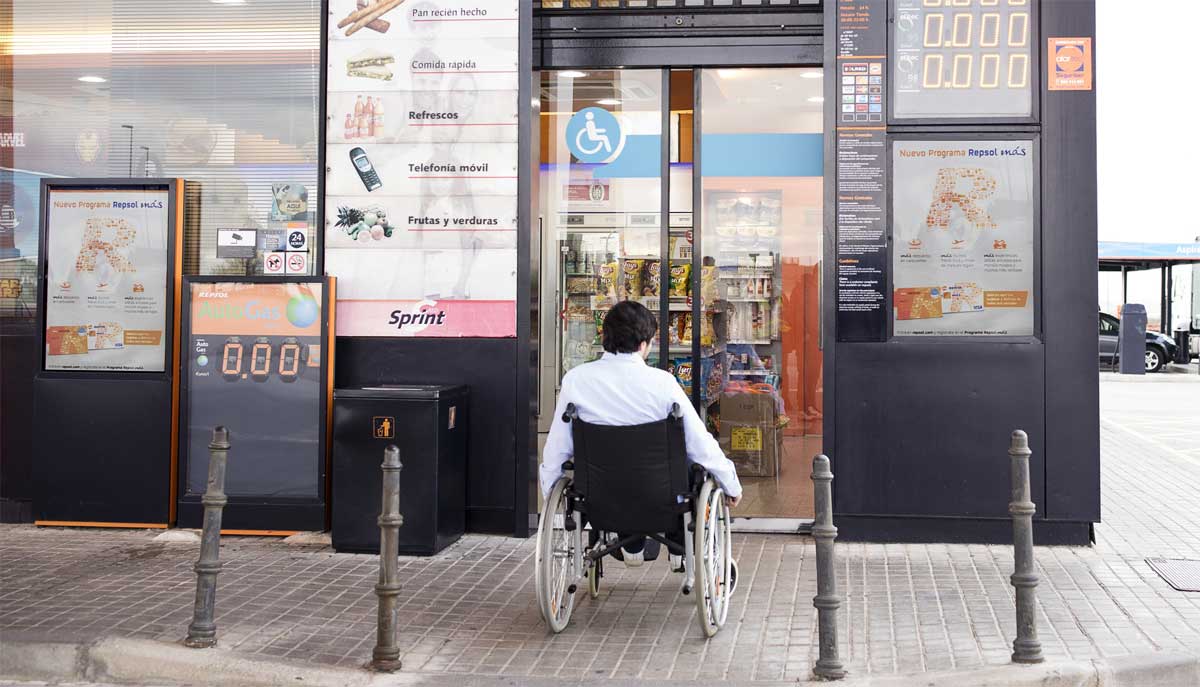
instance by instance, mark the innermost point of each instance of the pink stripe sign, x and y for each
(426, 318)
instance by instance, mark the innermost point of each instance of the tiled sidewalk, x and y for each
(908, 609)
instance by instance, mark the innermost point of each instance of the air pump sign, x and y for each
(255, 362)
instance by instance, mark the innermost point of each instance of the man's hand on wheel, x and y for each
(732, 502)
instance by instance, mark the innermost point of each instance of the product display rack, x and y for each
(742, 288)
(608, 257)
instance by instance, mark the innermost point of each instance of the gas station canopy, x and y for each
(1133, 255)
(1128, 256)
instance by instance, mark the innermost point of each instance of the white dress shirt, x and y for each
(621, 389)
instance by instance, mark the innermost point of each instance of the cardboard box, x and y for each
(750, 435)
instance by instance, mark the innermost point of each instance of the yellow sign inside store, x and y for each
(746, 439)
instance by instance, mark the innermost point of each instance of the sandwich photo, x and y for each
(370, 64)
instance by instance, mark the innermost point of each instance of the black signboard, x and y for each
(861, 165)
(255, 360)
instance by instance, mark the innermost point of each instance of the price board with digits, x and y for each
(255, 361)
(960, 59)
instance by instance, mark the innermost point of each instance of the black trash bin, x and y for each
(429, 425)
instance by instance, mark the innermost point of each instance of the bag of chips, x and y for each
(580, 285)
(685, 329)
(608, 282)
(682, 368)
(706, 329)
(633, 269)
(650, 283)
(681, 280)
(708, 283)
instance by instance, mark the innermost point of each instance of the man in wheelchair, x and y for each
(645, 473)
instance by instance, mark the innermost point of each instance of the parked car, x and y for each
(1160, 349)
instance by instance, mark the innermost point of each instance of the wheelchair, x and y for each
(632, 480)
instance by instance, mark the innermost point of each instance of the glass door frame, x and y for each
(547, 389)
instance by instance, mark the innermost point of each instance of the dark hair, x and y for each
(627, 326)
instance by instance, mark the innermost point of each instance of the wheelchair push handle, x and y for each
(571, 413)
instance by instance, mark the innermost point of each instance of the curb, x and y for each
(140, 661)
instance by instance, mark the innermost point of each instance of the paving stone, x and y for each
(908, 607)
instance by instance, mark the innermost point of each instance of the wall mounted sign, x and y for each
(963, 218)
(237, 243)
(421, 166)
(1069, 64)
(861, 149)
(106, 279)
(963, 59)
(861, 235)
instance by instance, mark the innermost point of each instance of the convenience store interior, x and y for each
(746, 302)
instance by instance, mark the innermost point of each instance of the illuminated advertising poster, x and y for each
(963, 227)
(963, 58)
(254, 366)
(421, 158)
(106, 263)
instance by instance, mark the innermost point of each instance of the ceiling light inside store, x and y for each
(729, 73)
(608, 101)
(572, 74)
(228, 2)
(811, 75)
(816, 99)
(93, 79)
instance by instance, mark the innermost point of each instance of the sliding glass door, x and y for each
(618, 192)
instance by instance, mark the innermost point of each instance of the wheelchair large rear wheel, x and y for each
(557, 560)
(713, 561)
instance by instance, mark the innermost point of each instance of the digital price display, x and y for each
(962, 58)
(255, 365)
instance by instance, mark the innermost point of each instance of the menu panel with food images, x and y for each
(421, 166)
(107, 259)
(963, 222)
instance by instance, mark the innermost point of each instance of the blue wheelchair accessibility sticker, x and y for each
(594, 136)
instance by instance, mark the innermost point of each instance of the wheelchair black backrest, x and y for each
(628, 479)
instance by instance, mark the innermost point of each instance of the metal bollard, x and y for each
(1026, 647)
(386, 656)
(827, 601)
(202, 632)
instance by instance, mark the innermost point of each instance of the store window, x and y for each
(222, 93)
